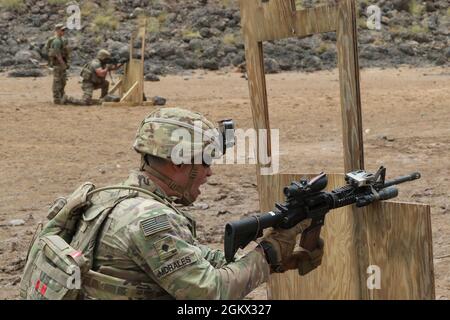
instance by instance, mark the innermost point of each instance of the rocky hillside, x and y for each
(189, 34)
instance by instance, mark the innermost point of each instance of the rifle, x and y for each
(116, 61)
(306, 200)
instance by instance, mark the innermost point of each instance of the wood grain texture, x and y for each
(278, 19)
(347, 50)
(131, 89)
(258, 93)
(116, 86)
(400, 244)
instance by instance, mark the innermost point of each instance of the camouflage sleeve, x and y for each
(95, 64)
(182, 269)
(213, 256)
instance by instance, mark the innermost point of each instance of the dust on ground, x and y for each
(47, 150)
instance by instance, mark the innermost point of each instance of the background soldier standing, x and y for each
(58, 52)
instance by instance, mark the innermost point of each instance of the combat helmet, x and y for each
(103, 54)
(181, 136)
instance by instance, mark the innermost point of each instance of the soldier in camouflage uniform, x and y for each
(59, 61)
(94, 77)
(145, 246)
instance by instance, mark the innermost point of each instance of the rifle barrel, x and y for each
(409, 177)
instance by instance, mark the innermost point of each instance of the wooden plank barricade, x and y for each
(391, 236)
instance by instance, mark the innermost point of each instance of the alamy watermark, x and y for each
(74, 20)
(207, 146)
(374, 279)
(374, 17)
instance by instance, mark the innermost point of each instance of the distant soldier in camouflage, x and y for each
(94, 77)
(140, 245)
(59, 60)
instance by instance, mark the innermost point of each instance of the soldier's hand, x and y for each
(309, 260)
(279, 245)
(306, 261)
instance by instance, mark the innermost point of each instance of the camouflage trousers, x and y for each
(59, 83)
(88, 90)
(89, 87)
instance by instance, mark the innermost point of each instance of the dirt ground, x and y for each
(47, 150)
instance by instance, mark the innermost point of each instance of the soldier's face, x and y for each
(203, 172)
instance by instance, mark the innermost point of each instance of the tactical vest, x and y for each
(60, 259)
(88, 73)
(65, 51)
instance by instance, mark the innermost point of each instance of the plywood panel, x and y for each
(133, 74)
(347, 50)
(278, 19)
(400, 244)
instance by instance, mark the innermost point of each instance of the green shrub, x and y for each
(153, 25)
(12, 5)
(88, 8)
(56, 2)
(106, 22)
(229, 39)
(418, 29)
(415, 8)
(190, 34)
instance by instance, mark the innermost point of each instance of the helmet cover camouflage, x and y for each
(157, 133)
(103, 54)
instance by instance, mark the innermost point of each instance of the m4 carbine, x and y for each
(115, 61)
(307, 200)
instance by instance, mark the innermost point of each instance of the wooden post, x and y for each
(131, 87)
(394, 236)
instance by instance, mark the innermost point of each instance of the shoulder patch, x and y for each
(155, 224)
(166, 248)
(174, 265)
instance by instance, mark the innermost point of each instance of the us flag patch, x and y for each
(154, 224)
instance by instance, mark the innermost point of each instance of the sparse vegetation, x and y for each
(228, 3)
(57, 2)
(322, 48)
(416, 8)
(397, 30)
(88, 8)
(362, 23)
(16, 5)
(162, 17)
(418, 29)
(299, 4)
(229, 39)
(153, 25)
(190, 34)
(106, 21)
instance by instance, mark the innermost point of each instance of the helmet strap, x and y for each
(185, 192)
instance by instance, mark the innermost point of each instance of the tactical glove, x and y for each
(307, 261)
(278, 246)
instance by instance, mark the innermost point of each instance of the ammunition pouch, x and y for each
(86, 72)
(62, 254)
(56, 272)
